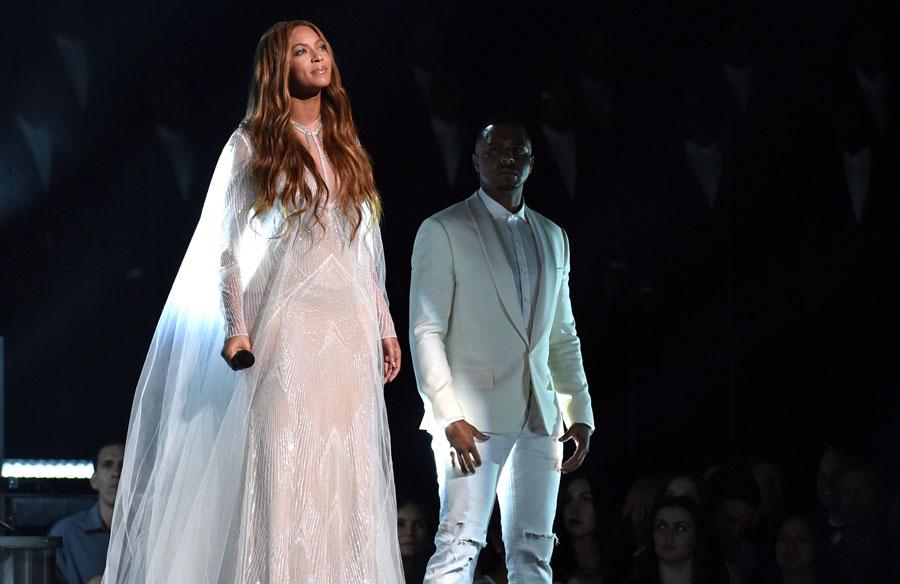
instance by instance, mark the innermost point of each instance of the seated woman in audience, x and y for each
(682, 550)
(416, 534)
(585, 552)
(799, 554)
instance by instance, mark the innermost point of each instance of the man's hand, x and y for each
(391, 349)
(233, 345)
(462, 436)
(95, 580)
(581, 434)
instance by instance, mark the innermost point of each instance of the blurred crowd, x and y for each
(725, 524)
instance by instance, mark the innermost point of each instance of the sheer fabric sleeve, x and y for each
(385, 321)
(239, 196)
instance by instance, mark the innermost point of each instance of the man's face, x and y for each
(832, 467)
(768, 478)
(859, 494)
(106, 476)
(503, 157)
(734, 518)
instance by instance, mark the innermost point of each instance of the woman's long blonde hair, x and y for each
(279, 155)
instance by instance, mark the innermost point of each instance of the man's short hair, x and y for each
(101, 444)
(504, 119)
(734, 483)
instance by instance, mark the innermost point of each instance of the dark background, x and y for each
(765, 322)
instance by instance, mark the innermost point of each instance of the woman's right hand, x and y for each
(233, 345)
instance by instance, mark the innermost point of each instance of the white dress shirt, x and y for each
(521, 251)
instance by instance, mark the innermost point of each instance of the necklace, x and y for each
(313, 140)
(317, 124)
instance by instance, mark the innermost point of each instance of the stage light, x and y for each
(23, 468)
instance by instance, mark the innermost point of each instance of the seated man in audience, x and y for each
(862, 553)
(734, 501)
(85, 535)
(834, 462)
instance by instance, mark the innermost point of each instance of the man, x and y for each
(85, 535)
(734, 502)
(833, 464)
(497, 362)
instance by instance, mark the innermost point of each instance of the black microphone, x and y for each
(243, 359)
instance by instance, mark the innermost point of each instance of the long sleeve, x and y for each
(385, 321)
(239, 196)
(430, 301)
(565, 359)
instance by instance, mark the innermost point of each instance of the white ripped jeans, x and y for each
(523, 470)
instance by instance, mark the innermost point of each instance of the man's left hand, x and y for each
(581, 434)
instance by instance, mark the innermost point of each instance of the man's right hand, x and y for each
(233, 345)
(463, 454)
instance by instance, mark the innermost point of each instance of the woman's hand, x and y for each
(391, 349)
(233, 345)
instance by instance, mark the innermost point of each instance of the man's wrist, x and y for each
(449, 421)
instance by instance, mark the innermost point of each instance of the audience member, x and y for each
(770, 481)
(85, 535)
(798, 551)
(861, 553)
(833, 463)
(684, 484)
(637, 521)
(585, 552)
(682, 552)
(415, 532)
(734, 500)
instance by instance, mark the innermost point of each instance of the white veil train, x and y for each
(177, 513)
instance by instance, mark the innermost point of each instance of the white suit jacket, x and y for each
(471, 350)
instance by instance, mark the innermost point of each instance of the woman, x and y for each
(416, 534)
(800, 553)
(280, 472)
(584, 555)
(681, 552)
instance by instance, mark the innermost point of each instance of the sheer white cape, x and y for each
(187, 503)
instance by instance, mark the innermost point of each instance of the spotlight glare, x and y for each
(22, 468)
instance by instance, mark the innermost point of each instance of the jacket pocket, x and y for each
(473, 378)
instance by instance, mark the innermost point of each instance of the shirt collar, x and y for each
(498, 211)
(93, 521)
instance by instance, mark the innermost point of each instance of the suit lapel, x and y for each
(545, 303)
(497, 262)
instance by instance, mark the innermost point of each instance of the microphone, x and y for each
(243, 359)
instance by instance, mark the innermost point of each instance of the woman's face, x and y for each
(683, 487)
(578, 508)
(412, 530)
(794, 544)
(310, 62)
(674, 534)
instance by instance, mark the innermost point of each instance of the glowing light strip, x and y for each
(24, 468)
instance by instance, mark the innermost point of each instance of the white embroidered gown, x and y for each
(279, 474)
